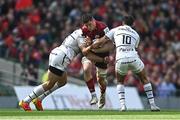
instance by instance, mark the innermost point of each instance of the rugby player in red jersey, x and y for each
(93, 29)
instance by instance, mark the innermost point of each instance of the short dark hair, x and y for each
(128, 20)
(86, 18)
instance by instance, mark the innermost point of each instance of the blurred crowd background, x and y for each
(30, 29)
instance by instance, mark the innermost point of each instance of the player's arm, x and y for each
(100, 45)
(90, 55)
(103, 40)
(85, 49)
(94, 58)
(99, 42)
(108, 46)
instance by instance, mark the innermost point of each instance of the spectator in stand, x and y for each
(48, 20)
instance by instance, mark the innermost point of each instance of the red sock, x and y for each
(90, 85)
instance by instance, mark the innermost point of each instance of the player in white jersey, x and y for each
(59, 58)
(126, 40)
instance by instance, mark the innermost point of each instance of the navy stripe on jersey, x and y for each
(72, 37)
(122, 45)
(35, 94)
(63, 59)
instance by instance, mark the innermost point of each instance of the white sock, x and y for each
(55, 87)
(36, 92)
(121, 94)
(149, 92)
(93, 93)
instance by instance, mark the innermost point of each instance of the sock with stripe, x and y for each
(121, 94)
(39, 90)
(149, 92)
(91, 87)
(55, 87)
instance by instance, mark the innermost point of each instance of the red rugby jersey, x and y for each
(98, 32)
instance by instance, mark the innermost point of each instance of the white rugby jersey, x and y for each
(70, 45)
(126, 40)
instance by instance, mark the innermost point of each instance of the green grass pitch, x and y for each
(17, 114)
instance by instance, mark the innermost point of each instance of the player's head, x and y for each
(89, 21)
(128, 20)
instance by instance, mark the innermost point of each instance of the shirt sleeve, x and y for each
(106, 30)
(80, 40)
(137, 42)
(110, 34)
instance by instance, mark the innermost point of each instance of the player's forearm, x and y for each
(85, 49)
(100, 42)
(105, 48)
(91, 56)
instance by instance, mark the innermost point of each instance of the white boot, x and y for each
(123, 108)
(102, 100)
(93, 100)
(154, 107)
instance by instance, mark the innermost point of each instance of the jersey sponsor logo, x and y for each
(126, 49)
(127, 29)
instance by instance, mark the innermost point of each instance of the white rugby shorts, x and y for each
(58, 59)
(124, 64)
(85, 60)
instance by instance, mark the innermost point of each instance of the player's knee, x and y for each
(120, 81)
(87, 73)
(48, 85)
(62, 83)
(102, 76)
(144, 80)
(102, 80)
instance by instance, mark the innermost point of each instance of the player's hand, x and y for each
(96, 44)
(106, 59)
(88, 41)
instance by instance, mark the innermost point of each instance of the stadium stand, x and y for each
(29, 29)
